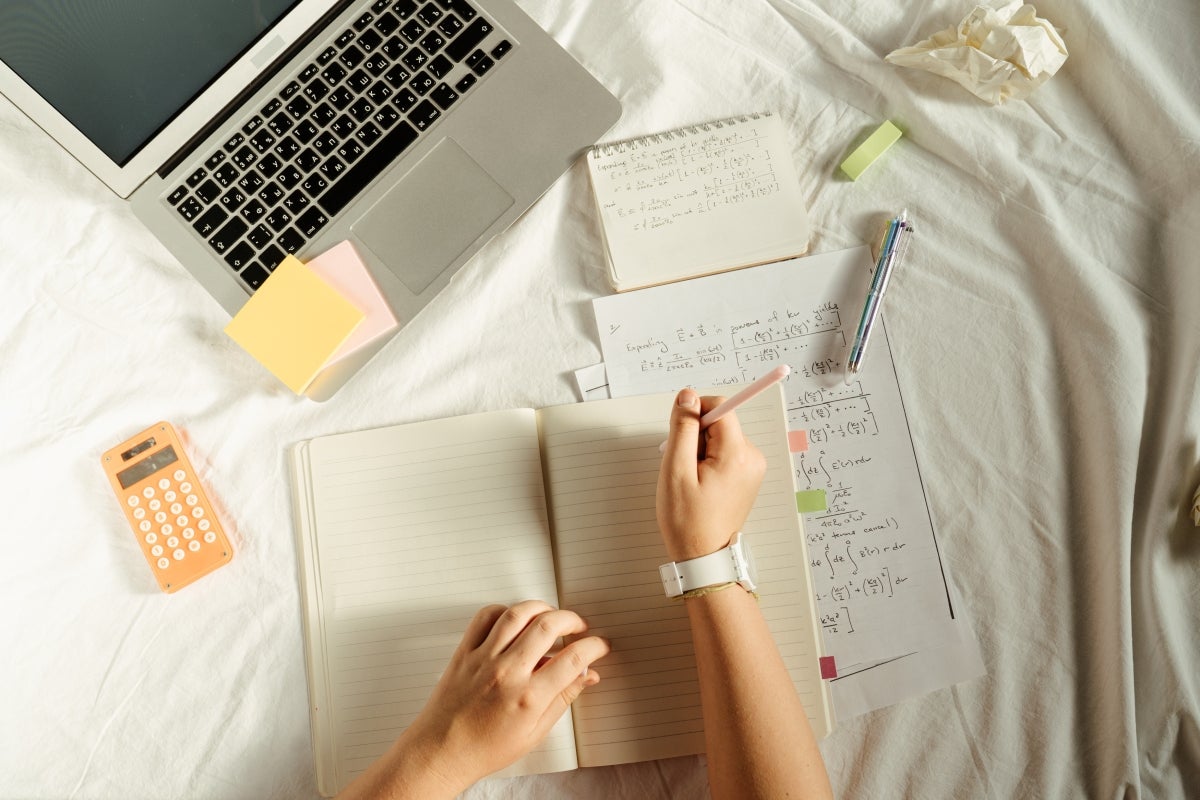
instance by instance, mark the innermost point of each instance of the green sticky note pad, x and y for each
(813, 500)
(866, 153)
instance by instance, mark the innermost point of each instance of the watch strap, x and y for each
(696, 573)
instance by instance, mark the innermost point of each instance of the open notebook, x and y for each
(404, 532)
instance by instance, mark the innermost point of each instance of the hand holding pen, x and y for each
(891, 253)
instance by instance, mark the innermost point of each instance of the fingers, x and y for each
(679, 458)
(541, 634)
(510, 623)
(566, 675)
(724, 438)
(479, 627)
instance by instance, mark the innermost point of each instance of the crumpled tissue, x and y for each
(997, 53)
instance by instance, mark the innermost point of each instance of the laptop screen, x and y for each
(120, 70)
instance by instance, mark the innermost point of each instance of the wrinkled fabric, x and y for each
(1045, 333)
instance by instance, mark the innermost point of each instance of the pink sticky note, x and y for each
(828, 668)
(797, 441)
(341, 267)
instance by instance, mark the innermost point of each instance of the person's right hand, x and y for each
(708, 480)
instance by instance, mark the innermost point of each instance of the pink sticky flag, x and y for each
(343, 269)
(797, 441)
(828, 668)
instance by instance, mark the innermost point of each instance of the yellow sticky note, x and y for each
(866, 153)
(294, 323)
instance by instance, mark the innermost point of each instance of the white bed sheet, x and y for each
(1046, 335)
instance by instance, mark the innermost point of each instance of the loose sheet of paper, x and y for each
(877, 573)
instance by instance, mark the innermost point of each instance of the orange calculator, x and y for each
(167, 508)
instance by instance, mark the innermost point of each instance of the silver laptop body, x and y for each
(417, 130)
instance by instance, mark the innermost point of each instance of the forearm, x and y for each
(757, 736)
(410, 770)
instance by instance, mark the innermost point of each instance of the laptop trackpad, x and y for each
(432, 215)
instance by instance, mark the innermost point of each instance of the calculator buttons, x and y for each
(166, 506)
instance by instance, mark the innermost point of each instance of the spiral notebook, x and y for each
(698, 200)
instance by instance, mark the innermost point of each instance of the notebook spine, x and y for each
(610, 149)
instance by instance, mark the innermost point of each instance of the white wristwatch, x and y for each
(732, 563)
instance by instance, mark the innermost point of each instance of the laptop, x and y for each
(241, 132)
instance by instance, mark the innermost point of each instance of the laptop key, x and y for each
(362, 109)
(343, 126)
(341, 97)
(254, 124)
(253, 211)
(350, 151)
(245, 157)
(326, 143)
(289, 177)
(290, 241)
(228, 235)
(397, 75)
(424, 115)
(469, 39)
(298, 107)
(314, 185)
(439, 67)
(226, 174)
(444, 96)
(502, 49)
(412, 31)
(394, 48)
(279, 219)
(460, 7)
(414, 59)
(271, 107)
(307, 160)
(351, 57)
(332, 168)
(376, 64)
(386, 117)
(177, 195)
(359, 81)
(196, 177)
(369, 41)
(334, 74)
(466, 82)
(210, 221)
(215, 159)
(233, 199)
(327, 55)
(379, 5)
(379, 93)
(429, 14)
(289, 91)
(346, 38)
(450, 26)
(262, 141)
(270, 257)
(310, 222)
(422, 84)
(287, 149)
(251, 182)
(322, 114)
(316, 90)
(482, 64)
(308, 73)
(295, 202)
(405, 8)
(239, 256)
(363, 21)
(280, 124)
(404, 100)
(259, 236)
(357, 178)
(271, 193)
(255, 275)
(368, 134)
(387, 24)
(234, 142)
(208, 192)
(269, 165)
(189, 209)
(305, 132)
(432, 42)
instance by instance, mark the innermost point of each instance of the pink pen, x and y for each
(753, 390)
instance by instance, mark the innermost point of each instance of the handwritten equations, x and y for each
(877, 573)
(659, 196)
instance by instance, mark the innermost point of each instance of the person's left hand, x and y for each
(501, 692)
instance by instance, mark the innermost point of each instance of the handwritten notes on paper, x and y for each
(876, 569)
(661, 196)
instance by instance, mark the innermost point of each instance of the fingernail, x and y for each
(687, 398)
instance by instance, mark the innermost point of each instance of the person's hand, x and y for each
(502, 691)
(708, 480)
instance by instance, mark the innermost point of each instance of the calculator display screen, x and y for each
(148, 467)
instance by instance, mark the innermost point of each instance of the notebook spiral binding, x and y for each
(628, 145)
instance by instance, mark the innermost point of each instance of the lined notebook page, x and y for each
(411, 530)
(602, 466)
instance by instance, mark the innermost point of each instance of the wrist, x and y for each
(432, 764)
(685, 548)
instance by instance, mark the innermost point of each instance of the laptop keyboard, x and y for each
(335, 125)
